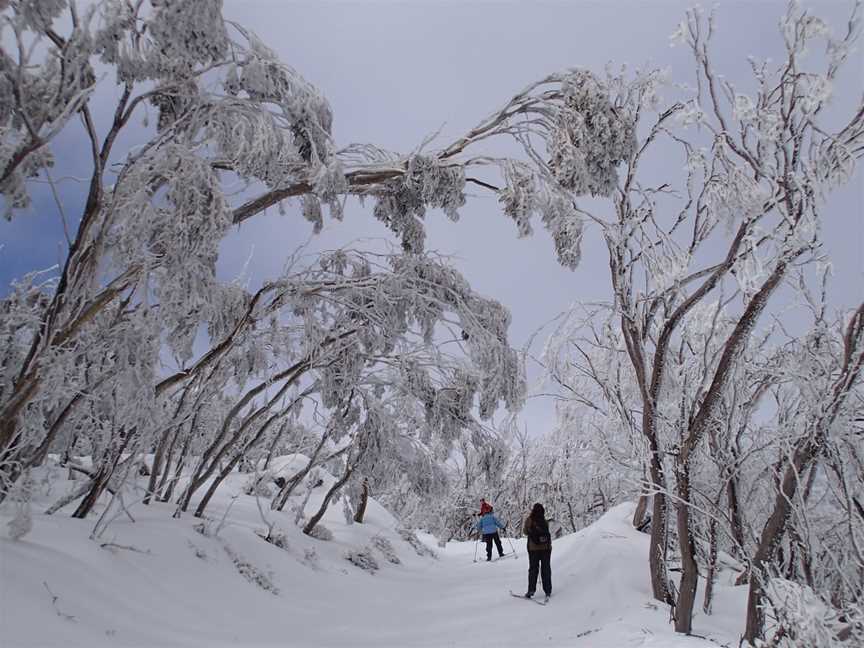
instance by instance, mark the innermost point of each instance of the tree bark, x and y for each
(689, 569)
(712, 567)
(364, 500)
(639, 515)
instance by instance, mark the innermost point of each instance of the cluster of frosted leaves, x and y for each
(525, 194)
(113, 360)
(341, 373)
(21, 313)
(14, 188)
(381, 308)
(263, 78)
(234, 302)
(401, 204)
(47, 93)
(834, 164)
(590, 137)
(731, 193)
(38, 15)
(172, 236)
(176, 37)
(484, 323)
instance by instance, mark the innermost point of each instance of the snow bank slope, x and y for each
(162, 583)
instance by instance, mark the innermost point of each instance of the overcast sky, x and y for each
(396, 72)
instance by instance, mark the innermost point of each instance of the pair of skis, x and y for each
(527, 598)
(506, 555)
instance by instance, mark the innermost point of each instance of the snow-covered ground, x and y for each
(160, 582)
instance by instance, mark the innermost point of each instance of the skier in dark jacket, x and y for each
(536, 527)
(488, 525)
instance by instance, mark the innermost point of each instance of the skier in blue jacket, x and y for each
(488, 525)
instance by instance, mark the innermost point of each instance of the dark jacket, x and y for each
(529, 527)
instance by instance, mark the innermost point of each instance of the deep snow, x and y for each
(162, 583)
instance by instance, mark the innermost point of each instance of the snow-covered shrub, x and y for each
(799, 618)
(321, 532)
(363, 559)
(383, 545)
(419, 548)
(205, 528)
(198, 551)
(278, 538)
(250, 572)
(310, 556)
(259, 484)
(20, 525)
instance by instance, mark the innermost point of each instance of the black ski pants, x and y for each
(538, 562)
(488, 538)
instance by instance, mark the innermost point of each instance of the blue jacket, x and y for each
(489, 524)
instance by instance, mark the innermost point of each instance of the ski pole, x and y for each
(476, 544)
(512, 548)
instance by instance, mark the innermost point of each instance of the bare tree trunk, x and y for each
(657, 546)
(168, 493)
(169, 459)
(157, 465)
(97, 487)
(284, 493)
(323, 508)
(101, 478)
(689, 569)
(364, 500)
(202, 505)
(712, 566)
(639, 515)
(735, 516)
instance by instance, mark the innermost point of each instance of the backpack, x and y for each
(538, 535)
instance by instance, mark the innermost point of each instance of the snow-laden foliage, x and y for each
(401, 204)
(363, 558)
(385, 548)
(590, 137)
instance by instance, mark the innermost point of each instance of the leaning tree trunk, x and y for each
(330, 493)
(101, 479)
(284, 493)
(364, 500)
(239, 456)
(168, 491)
(639, 514)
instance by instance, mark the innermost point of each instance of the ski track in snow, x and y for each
(164, 584)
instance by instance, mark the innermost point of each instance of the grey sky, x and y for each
(396, 72)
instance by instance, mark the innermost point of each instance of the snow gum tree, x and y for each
(138, 277)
